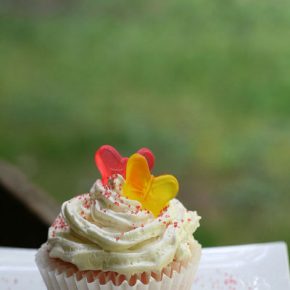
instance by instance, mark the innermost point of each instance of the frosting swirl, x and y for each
(103, 230)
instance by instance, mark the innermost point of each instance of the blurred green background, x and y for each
(204, 84)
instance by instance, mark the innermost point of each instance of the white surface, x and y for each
(247, 267)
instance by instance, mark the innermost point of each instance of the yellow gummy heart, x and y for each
(153, 193)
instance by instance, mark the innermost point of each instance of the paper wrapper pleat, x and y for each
(59, 275)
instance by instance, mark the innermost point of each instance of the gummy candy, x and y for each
(153, 193)
(109, 161)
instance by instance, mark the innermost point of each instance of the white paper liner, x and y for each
(59, 275)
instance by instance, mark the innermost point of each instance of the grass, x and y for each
(205, 85)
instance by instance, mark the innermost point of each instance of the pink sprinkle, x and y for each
(230, 281)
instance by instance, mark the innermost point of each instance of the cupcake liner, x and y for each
(59, 275)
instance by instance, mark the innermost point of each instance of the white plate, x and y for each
(247, 267)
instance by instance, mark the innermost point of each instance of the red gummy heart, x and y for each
(147, 153)
(109, 161)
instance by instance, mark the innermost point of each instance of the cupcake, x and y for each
(128, 232)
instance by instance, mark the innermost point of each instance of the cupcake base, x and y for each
(59, 275)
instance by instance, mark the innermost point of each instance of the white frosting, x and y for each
(103, 230)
